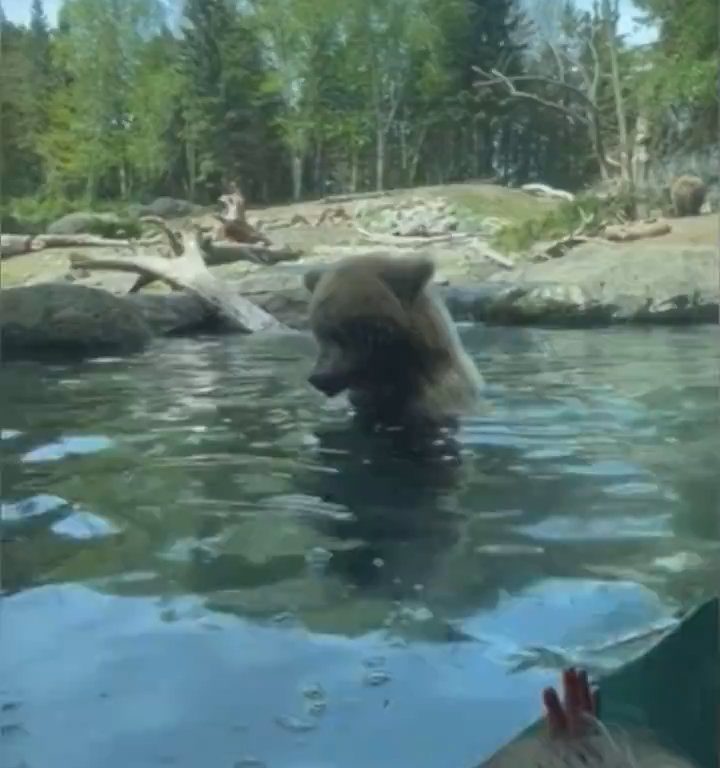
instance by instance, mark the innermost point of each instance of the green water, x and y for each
(205, 564)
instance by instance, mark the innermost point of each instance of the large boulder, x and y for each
(64, 319)
(94, 223)
(173, 314)
(594, 284)
(602, 283)
(165, 208)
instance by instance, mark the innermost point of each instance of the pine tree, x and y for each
(490, 40)
(39, 86)
(227, 132)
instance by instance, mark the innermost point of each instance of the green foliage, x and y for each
(680, 74)
(33, 215)
(292, 96)
(561, 220)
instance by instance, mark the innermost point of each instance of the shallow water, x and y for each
(205, 564)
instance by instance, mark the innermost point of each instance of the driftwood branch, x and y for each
(16, 245)
(92, 241)
(492, 255)
(188, 272)
(638, 230)
(226, 252)
(560, 247)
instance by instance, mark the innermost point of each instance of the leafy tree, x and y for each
(99, 49)
(679, 77)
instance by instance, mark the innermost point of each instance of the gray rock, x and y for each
(62, 319)
(594, 284)
(166, 208)
(600, 284)
(172, 314)
(87, 222)
(280, 292)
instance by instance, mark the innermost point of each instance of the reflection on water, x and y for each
(210, 480)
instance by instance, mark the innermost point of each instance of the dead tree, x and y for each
(233, 218)
(579, 101)
(185, 269)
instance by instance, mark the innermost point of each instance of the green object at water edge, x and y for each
(674, 688)
(671, 691)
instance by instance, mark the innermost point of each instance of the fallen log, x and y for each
(16, 245)
(92, 241)
(226, 252)
(492, 255)
(620, 233)
(187, 271)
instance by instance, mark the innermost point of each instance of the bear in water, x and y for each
(389, 341)
(688, 195)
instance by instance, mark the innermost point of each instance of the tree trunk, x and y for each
(296, 169)
(354, 171)
(403, 151)
(475, 164)
(123, 181)
(380, 160)
(641, 163)
(190, 159)
(626, 166)
(318, 180)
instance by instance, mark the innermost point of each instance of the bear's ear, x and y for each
(406, 277)
(311, 278)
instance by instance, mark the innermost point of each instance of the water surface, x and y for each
(206, 564)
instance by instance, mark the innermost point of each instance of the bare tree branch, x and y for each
(498, 78)
(187, 271)
(592, 119)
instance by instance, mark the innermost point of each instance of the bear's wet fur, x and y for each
(387, 339)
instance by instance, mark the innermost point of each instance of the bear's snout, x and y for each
(327, 382)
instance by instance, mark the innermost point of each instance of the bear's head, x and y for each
(370, 317)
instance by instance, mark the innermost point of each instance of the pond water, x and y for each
(204, 563)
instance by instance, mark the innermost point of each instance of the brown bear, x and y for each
(688, 195)
(389, 341)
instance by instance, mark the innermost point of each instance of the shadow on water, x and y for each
(197, 515)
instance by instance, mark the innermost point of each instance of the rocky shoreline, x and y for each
(594, 284)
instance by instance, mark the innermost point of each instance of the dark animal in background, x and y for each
(389, 341)
(688, 195)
